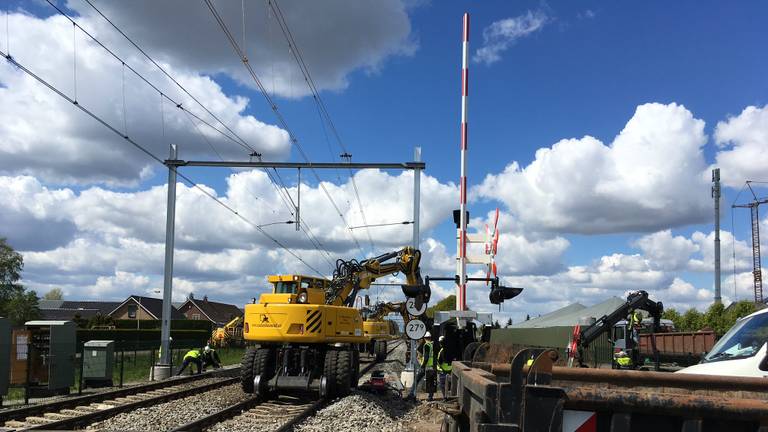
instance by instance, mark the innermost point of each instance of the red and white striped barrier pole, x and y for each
(461, 288)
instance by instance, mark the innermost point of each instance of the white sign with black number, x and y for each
(410, 306)
(415, 329)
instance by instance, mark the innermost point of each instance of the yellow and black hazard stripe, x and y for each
(314, 321)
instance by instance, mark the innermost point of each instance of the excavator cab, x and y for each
(287, 289)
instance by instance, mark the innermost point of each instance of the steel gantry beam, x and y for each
(296, 165)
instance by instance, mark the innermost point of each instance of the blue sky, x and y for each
(583, 71)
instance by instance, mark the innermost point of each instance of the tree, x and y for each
(54, 294)
(15, 303)
(692, 320)
(527, 317)
(674, 316)
(715, 319)
(496, 324)
(509, 323)
(446, 304)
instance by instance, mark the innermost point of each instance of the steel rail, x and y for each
(233, 411)
(28, 411)
(90, 418)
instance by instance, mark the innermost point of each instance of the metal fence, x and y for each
(42, 369)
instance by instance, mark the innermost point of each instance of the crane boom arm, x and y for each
(635, 300)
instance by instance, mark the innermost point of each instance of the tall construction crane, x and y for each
(756, 264)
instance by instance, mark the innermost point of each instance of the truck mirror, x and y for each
(367, 300)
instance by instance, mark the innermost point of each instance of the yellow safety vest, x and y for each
(443, 365)
(427, 360)
(192, 354)
(624, 361)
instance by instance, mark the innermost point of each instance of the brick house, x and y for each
(143, 308)
(215, 312)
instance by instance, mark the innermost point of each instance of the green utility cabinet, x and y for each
(98, 363)
(5, 355)
(51, 356)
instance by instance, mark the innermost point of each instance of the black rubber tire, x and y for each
(381, 350)
(329, 371)
(343, 373)
(246, 370)
(264, 365)
(355, 368)
(469, 351)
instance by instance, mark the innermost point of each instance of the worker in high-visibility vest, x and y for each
(195, 357)
(211, 358)
(426, 359)
(443, 367)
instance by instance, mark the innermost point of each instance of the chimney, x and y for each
(205, 298)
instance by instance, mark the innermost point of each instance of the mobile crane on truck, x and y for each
(582, 338)
(308, 331)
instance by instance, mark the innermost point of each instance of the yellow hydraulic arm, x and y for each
(352, 276)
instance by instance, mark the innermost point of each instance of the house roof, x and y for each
(67, 309)
(215, 311)
(566, 317)
(153, 306)
(103, 307)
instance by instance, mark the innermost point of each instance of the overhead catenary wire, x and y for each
(144, 150)
(231, 135)
(281, 119)
(296, 51)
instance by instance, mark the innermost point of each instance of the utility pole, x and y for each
(757, 271)
(411, 366)
(716, 197)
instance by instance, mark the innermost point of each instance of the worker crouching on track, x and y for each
(211, 358)
(426, 363)
(443, 368)
(192, 356)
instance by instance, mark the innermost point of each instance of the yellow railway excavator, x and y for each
(308, 331)
(379, 330)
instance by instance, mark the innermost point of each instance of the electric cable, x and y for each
(144, 150)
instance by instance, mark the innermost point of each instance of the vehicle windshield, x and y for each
(285, 287)
(743, 340)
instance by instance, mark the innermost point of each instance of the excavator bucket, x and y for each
(421, 293)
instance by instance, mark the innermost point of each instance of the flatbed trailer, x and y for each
(524, 397)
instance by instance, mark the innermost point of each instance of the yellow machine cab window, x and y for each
(285, 287)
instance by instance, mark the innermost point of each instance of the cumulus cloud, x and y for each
(502, 34)
(743, 143)
(335, 37)
(648, 178)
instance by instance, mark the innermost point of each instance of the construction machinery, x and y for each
(582, 338)
(230, 334)
(309, 332)
(379, 330)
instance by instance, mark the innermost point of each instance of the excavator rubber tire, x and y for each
(246, 370)
(469, 351)
(381, 350)
(355, 368)
(343, 373)
(329, 371)
(264, 365)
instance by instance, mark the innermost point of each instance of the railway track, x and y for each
(84, 410)
(280, 415)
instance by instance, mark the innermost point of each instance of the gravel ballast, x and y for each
(175, 413)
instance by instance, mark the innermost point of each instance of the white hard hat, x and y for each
(427, 335)
(207, 348)
(441, 338)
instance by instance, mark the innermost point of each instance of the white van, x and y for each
(740, 352)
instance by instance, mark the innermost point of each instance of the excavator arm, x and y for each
(380, 310)
(352, 276)
(635, 300)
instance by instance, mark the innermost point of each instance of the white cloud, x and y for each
(335, 38)
(648, 178)
(502, 34)
(668, 252)
(743, 143)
